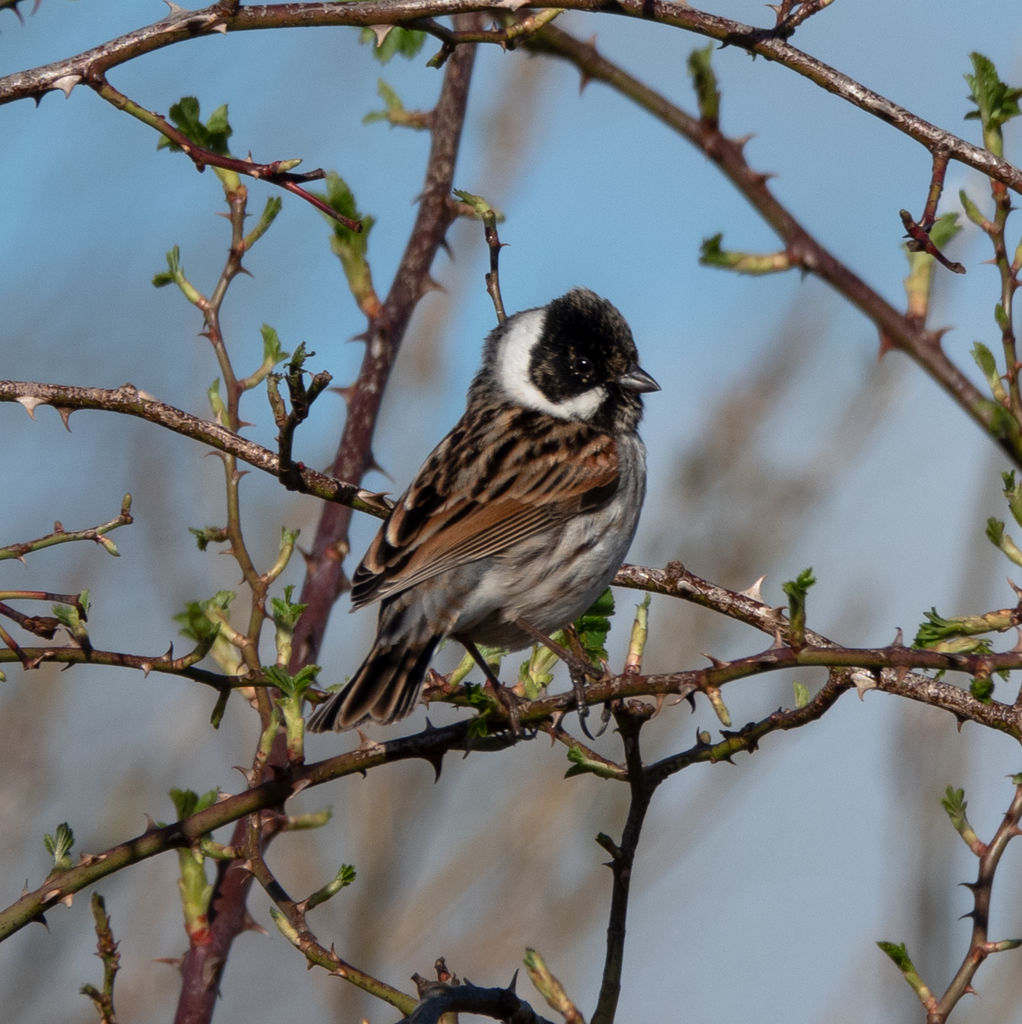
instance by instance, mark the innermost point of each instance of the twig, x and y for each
(106, 950)
(919, 232)
(980, 946)
(62, 536)
(277, 172)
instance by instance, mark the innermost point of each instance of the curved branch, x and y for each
(897, 329)
(128, 400)
(771, 44)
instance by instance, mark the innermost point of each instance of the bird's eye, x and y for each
(583, 366)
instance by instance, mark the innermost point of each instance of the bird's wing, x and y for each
(463, 506)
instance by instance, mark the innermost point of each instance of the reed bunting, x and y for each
(522, 513)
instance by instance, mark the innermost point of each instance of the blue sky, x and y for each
(760, 884)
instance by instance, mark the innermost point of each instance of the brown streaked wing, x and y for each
(456, 529)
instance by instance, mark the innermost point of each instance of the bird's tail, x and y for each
(385, 688)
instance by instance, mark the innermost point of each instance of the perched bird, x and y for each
(522, 513)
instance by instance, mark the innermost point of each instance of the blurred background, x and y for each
(778, 442)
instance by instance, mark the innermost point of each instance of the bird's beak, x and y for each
(636, 379)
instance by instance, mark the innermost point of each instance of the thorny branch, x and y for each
(433, 743)
(182, 25)
(980, 946)
(277, 172)
(802, 250)
(129, 401)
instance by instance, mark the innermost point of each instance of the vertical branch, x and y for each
(980, 946)
(204, 965)
(629, 722)
(325, 579)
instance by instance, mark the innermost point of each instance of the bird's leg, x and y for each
(504, 696)
(578, 668)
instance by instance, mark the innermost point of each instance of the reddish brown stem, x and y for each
(325, 579)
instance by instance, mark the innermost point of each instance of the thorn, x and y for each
(250, 924)
(381, 32)
(584, 79)
(430, 285)
(886, 345)
(899, 638)
(346, 392)
(66, 83)
(755, 592)
(29, 404)
(715, 662)
(173, 961)
(863, 681)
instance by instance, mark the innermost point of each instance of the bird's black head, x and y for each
(573, 359)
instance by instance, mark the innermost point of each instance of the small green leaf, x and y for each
(196, 620)
(211, 135)
(1013, 492)
(272, 351)
(996, 102)
(59, 846)
(982, 688)
(959, 635)
(294, 686)
(285, 612)
(594, 625)
(984, 359)
(797, 591)
(393, 41)
(705, 82)
(341, 880)
(972, 211)
(350, 247)
(187, 802)
(898, 952)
